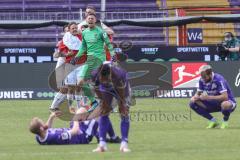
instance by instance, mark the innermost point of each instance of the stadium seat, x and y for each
(48, 34)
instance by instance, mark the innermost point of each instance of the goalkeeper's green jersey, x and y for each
(93, 41)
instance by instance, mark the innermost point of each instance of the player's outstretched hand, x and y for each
(56, 114)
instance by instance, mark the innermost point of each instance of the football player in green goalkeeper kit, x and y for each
(93, 41)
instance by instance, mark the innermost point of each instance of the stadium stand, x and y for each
(29, 10)
(49, 35)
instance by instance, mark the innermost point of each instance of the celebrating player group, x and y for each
(92, 81)
(87, 61)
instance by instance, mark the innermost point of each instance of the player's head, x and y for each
(83, 27)
(105, 71)
(91, 20)
(65, 28)
(72, 27)
(37, 126)
(228, 36)
(90, 10)
(206, 73)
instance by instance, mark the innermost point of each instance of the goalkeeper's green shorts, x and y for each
(90, 65)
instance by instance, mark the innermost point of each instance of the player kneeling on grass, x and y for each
(111, 82)
(78, 133)
(213, 95)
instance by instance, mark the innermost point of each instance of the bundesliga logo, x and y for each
(185, 75)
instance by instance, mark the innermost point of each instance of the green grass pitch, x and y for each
(160, 129)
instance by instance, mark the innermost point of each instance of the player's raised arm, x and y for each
(107, 29)
(50, 120)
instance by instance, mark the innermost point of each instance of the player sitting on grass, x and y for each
(213, 95)
(111, 82)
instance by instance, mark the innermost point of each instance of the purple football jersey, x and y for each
(217, 86)
(62, 135)
(118, 78)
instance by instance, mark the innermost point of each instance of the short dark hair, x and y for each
(71, 23)
(65, 26)
(209, 71)
(105, 70)
(91, 7)
(92, 14)
(229, 33)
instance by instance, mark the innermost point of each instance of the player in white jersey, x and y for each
(92, 10)
(61, 95)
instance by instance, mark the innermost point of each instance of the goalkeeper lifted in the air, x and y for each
(93, 41)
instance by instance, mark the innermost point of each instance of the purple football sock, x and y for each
(111, 132)
(201, 111)
(125, 127)
(226, 114)
(103, 127)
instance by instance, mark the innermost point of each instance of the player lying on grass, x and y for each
(78, 133)
(213, 95)
(93, 41)
(111, 82)
(45, 134)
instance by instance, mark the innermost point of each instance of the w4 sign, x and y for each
(195, 35)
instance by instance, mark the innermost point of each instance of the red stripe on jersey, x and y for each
(64, 49)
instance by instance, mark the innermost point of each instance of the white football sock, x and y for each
(58, 99)
(70, 98)
(78, 98)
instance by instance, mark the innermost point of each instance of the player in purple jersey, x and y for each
(111, 82)
(213, 95)
(78, 133)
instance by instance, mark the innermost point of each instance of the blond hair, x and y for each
(35, 126)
